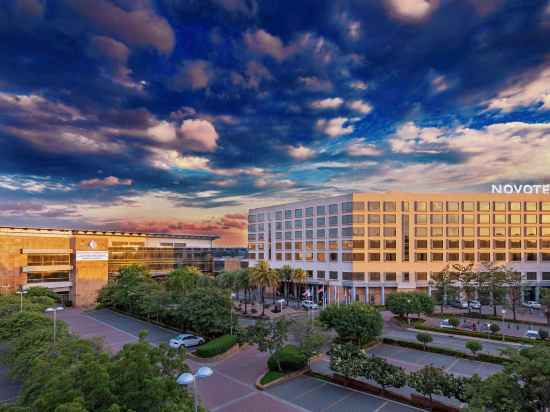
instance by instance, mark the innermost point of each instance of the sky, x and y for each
(179, 115)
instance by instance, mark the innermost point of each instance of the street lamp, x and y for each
(503, 311)
(54, 310)
(21, 293)
(187, 378)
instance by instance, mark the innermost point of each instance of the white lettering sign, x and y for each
(509, 189)
(92, 255)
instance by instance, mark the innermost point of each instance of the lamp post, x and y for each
(21, 293)
(187, 378)
(503, 312)
(54, 310)
(408, 317)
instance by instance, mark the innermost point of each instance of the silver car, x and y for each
(186, 340)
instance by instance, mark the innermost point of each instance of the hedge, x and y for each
(482, 357)
(484, 316)
(290, 357)
(484, 335)
(216, 346)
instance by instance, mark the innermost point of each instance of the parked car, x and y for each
(532, 304)
(186, 340)
(532, 334)
(445, 324)
(309, 304)
(459, 304)
(474, 304)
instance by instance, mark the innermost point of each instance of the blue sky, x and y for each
(178, 115)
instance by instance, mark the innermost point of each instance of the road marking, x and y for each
(310, 390)
(337, 401)
(232, 402)
(381, 406)
(448, 368)
(112, 327)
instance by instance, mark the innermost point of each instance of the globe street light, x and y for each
(21, 293)
(187, 378)
(54, 310)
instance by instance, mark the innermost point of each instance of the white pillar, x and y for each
(367, 294)
(353, 293)
(382, 298)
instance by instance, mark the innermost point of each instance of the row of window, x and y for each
(48, 260)
(482, 244)
(482, 257)
(391, 206)
(483, 219)
(499, 231)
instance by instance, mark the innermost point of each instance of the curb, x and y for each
(282, 379)
(462, 337)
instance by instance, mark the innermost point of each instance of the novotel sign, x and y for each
(521, 189)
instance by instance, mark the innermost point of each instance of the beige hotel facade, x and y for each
(363, 246)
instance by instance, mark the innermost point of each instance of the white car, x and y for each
(445, 324)
(309, 304)
(474, 304)
(532, 304)
(186, 340)
(532, 334)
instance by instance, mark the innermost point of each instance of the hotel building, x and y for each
(363, 246)
(78, 263)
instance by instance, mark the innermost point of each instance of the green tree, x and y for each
(494, 328)
(243, 282)
(285, 276)
(444, 284)
(263, 276)
(347, 359)
(424, 338)
(182, 281)
(429, 381)
(545, 303)
(514, 285)
(356, 322)
(454, 321)
(309, 337)
(495, 282)
(403, 304)
(499, 393)
(384, 373)
(466, 280)
(474, 346)
(269, 336)
(299, 277)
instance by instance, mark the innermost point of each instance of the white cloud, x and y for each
(412, 9)
(193, 75)
(358, 147)
(329, 103)
(272, 182)
(31, 184)
(334, 127)
(412, 139)
(300, 152)
(439, 84)
(360, 106)
(262, 42)
(162, 132)
(107, 181)
(359, 85)
(199, 135)
(354, 30)
(315, 84)
(521, 94)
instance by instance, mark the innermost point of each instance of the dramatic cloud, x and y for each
(334, 127)
(107, 181)
(199, 135)
(193, 75)
(262, 42)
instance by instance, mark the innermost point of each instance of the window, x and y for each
(468, 206)
(484, 244)
(468, 231)
(499, 206)
(499, 219)
(421, 276)
(333, 209)
(500, 257)
(515, 231)
(333, 275)
(437, 219)
(545, 257)
(333, 221)
(260, 256)
(452, 231)
(515, 206)
(374, 257)
(279, 215)
(309, 212)
(288, 245)
(374, 244)
(321, 221)
(288, 235)
(484, 219)
(483, 206)
(320, 245)
(484, 257)
(347, 244)
(333, 233)
(358, 257)
(278, 225)
(358, 206)
(530, 219)
(320, 233)
(309, 222)
(421, 244)
(437, 244)
(437, 231)
(373, 206)
(531, 206)
(484, 231)
(405, 206)
(437, 206)
(468, 257)
(347, 232)
(390, 257)
(545, 219)
(288, 224)
(390, 276)
(544, 244)
(288, 214)
(278, 245)
(421, 219)
(499, 231)
(298, 213)
(251, 228)
(374, 231)
(531, 276)
(251, 218)
(437, 257)
(333, 257)
(278, 256)
(545, 231)
(531, 257)
(514, 219)
(389, 231)
(500, 244)
(453, 257)
(453, 219)
(531, 231)
(321, 210)
(374, 276)
(515, 244)
(420, 206)
(297, 245)
(545, 206)
(390, 244)
(468, 244)
(421, 231)
(421, 257)
(373, 219)
(452, 206)
(347, 257)
(333, 245)
(347, 219)
(405, 277)
(320, 274)
(347, 207)
(530, 244)
(389, 206)
(288, 256)
(515, 257)
(309, 234)
(298, 224)
(468, 219)
(389, 219)
(545, 275)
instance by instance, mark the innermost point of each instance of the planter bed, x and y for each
(474, 315)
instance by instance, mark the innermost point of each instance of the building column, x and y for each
(382, 297)
(537, 293)
(367, 300)
(353, 294)
(429, 290)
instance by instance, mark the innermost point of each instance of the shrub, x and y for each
(474, 346)
(424, 338)
(454, 321)
(216, 346)
(543, 333)
(290, 357)
(494, 328)
(357, 322)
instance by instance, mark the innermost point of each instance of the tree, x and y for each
(263, 276)
(243, 282)
(299, 277)
(513, 283)
(347, 359)
(494, 282)
(474, 346)
(543, 333)
(403, 304)
(384, 373)
(269, 336)
(494, 328)
(454, 321)
(309, 337)
(356, 322)
(424, 338)
(497, 393)
(429, 381)
(466, 280)
(285, 274)
(183, 280)
(444, 283)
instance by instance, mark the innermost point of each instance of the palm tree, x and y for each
(299, 277)
(263, 276)
(243, 282)
(285, 274)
